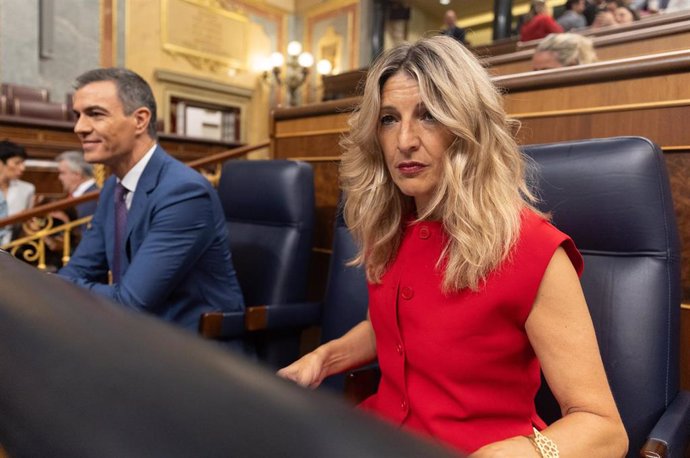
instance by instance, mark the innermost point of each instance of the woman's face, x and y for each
(624, 16)
(413, 142)
(13, 168)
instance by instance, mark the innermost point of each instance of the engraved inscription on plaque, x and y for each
(195, 29)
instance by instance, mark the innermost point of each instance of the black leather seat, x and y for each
(269, 210)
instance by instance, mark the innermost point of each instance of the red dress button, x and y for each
(403, 405)
(399, 349)
(407, 293)
(424, 233)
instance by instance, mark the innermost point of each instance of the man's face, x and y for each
(107, 134)
(69, 178)
(450, 19)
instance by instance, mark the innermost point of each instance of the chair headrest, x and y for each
(606, 193)
(286, 188)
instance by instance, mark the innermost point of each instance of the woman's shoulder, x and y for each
(538, 234)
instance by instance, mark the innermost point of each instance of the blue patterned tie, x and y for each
(120, 228)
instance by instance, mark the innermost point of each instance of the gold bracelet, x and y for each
(545, 446)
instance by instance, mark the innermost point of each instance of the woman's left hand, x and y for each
(515, 447)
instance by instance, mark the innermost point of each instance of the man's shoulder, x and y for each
(175, 176)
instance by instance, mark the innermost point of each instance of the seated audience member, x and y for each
(538, 23)
(625, 15)
(592, 7)
(677, 5)
(471, 290)
(604, 19)
(563, 50)
(19, 195)
(573, 18)
(6, 231)
(76, 176)
(159, 226)
(452, 29)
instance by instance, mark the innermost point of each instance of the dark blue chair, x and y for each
(612, 197)
(269, 210)
(346, 299)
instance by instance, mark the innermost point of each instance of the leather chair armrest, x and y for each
(222, 325)
(362, 382)
(230, 325)
(671, 434)
(282, 316)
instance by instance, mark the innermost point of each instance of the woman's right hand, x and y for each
(308, 371)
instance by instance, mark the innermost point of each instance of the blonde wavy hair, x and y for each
(483, 189)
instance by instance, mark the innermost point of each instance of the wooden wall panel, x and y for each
(685, 347)
(627, 94)
(307, 146)
(678, 165)
(666, 126)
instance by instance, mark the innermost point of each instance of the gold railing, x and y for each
(43, 230)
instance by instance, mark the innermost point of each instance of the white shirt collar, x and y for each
(131, 179)
(81, 189)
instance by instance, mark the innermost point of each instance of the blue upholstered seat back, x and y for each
(269, 209)
(612, 197)
(346, 299)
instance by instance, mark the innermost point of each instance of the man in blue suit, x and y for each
(159, 226)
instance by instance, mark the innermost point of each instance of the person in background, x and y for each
(573, 18)
(452, 29)
(604, 18)
(563, 50)
(159, 227)
(76, 176)
(18, 194)
(471, 290)
(538, 23)
(624, 15)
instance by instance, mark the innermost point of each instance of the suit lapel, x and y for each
(147, 183)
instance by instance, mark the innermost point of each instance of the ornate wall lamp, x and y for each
(297, 67)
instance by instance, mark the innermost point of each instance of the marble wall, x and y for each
(75, 45)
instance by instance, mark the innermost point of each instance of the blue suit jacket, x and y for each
(177, 263)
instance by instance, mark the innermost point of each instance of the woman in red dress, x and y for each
(471, 290)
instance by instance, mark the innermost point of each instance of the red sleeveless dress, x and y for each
(460, 367)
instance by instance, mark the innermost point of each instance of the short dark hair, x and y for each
(133, 91)
(570, 3)
(8, 150)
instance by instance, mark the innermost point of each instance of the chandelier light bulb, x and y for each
(305, 60)
(324, 67)
(294, 48)
(277, 59)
